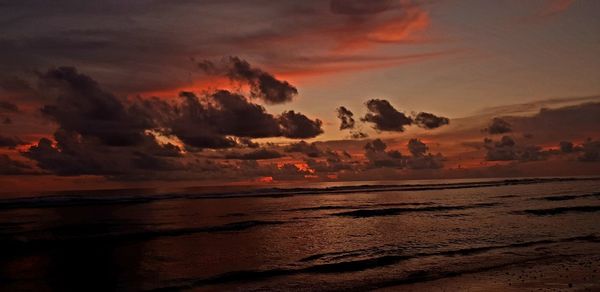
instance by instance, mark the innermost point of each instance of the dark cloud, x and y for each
(385, 117)
(10, 142)
(263, 85)
(502, 150)
(298, 126)
(590, 151)
(566, 147)
(563, 123)
(498, 126)
(9, 166)
(7, 107)
(430, 121)
(377, 155)
(214, 121)
(358, 135)
(211, 124)
(308, 149)
(506, 149)
(346, 118)
(247, 142)
(420, 159)
(417, 147)
(360, 7)
(82, 106)
(254, 155)
(73, 155)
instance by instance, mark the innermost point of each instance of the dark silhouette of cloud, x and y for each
(10, 142)
(9, 166)
(308, 149)
(430, 121)
(550, 125)
(498, 126)
(297, 126)
(214, 124)
(566, 147)
(378, 157)
(506, 149)
(420, 159)
(385, 117)
(254, 155)
(346, 118)
(82, 106)
(590, 151)
(263, 85)
(7, 107)
(360, 7)
(376, 153)
(358, 135)
(73, 155)
(211, 124)
(417, 147)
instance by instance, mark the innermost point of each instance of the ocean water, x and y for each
(315, 238)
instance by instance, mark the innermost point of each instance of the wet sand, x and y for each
(561, 273)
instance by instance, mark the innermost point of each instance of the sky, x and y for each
(105, 94)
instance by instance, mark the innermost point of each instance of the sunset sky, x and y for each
(104, 94)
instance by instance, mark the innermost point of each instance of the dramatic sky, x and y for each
(102, 94)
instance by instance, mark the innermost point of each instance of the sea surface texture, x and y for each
(350, 237)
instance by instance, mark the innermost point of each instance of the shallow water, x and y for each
(350, 237)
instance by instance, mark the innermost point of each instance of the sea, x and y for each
(354, 236)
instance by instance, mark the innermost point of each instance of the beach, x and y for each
(480, 235)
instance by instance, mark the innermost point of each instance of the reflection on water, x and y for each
(369, 237)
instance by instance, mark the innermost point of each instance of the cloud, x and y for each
(9, 166)
(297, 126)
(263, 85)
(308, 149)
(100, 134)
(254, 155)
(346, 118)
(360, 7)
(417, 147)
(75, 155)
(376, 153)
(82, 106)
(358, 135)
(556, 124)
(420, 158)
(498, 126)
(7, 107)
(566, 147)
(211, 124)
(385, 117)
(430, 121)
(378, 157)
(506, 149)
(214, 121)
(591, 151)
(10, 142)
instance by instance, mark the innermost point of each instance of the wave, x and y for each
(101, 234)
(358, 265)
(397, 211)
(141, 196)
(336, 207)
(560, 210)
(569, 197)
